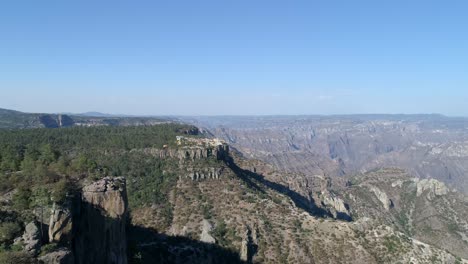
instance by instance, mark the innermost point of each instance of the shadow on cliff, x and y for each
(307, 204)
(146, 246)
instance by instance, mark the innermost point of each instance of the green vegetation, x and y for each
(12, 257)
(8, 231)
(44, 166)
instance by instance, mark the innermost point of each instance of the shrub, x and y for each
(22, 199)
(8, 231)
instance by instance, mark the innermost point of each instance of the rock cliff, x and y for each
(189, 152)
(93, 230)
(60, 224)
(101, 235)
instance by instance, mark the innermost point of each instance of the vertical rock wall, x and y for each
(100, 236)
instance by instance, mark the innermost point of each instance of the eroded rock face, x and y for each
(190, 152)
(434, 187)
(61, 224)
(336, 204)
(382, 196)
(100, 234)
(205, 173)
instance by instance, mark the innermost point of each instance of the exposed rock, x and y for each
(335, 203)
(205, 173)
(434, 187)
(244, 252)
(31, 238)
(205, 234)
(109, 195)
(61, 224)
(101, 235)
(59, 256)
(190, 152)
(397, 183)
(383, 198)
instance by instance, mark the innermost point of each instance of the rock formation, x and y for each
(204, 173)
(101, 227)
(382, 196)
(31, 238)
(335, 204)
(93, 230)
(60, 225)
(205, 235)
(190, 152)
(434, 187)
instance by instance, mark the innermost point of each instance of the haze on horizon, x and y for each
(234, 58)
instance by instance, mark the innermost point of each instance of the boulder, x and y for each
(31, 238)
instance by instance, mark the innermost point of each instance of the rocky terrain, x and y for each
(268, 217)
(168, 194)
(424, 209)
(427, 146)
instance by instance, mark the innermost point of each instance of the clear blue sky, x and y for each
(234, 57)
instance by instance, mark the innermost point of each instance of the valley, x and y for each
(213, 193)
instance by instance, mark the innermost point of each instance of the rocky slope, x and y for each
(425, 210)
(201, 201)
(268, 217)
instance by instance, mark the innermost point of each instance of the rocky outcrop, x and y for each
(433, 187)
(205, 173)
(383, 198)
(31, 239)
(205, 235)
(91, 225)
(101, 225)
(61, 224)
(190, 152)
(59, 256)
(336, 205)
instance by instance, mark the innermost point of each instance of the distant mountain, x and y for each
(96, 114)
(17, 119)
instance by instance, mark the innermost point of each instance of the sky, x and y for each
(244, 57)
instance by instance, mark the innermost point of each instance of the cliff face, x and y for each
(100, 234)
(189, 152)
(54, 121)
(94, 228)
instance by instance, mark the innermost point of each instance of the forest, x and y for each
(45, 166)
